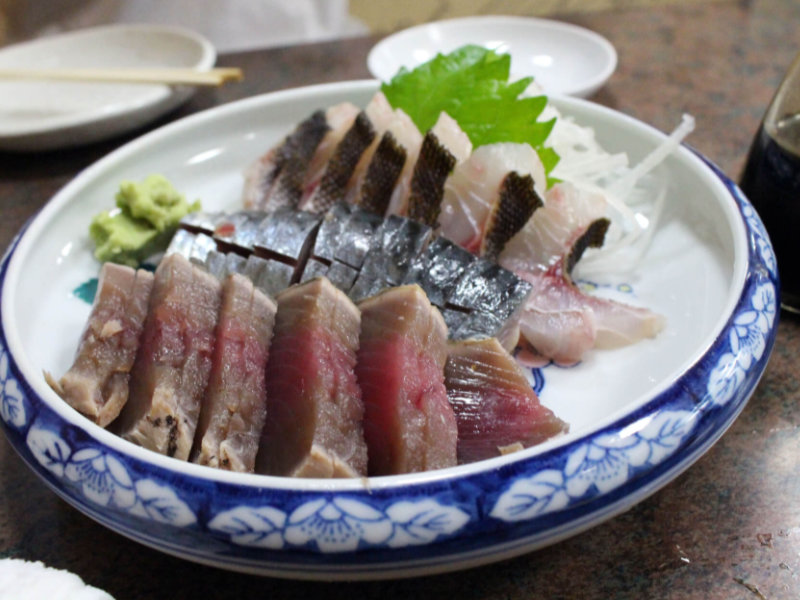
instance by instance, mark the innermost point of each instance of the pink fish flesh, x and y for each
(493, 401)
(235, 403)
(314, 410)
(174, 359)
(409, 424)
(558, 321)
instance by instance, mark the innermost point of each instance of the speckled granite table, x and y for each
(727, 528)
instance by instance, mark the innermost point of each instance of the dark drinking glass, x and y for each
(771, 181)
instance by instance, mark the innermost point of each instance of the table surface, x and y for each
(727, 528)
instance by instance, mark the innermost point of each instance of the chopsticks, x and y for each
(212, 77)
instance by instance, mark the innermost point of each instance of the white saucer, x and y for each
(47, 115)
(563, 58)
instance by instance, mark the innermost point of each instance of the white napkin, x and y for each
(24, 580)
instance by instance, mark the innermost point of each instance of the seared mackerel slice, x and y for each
(496, 409)
(276, 179)
(97, 382)
(409, 424)
(314, 409)
(174, 359)
(235, 403)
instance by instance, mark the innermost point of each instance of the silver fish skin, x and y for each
(395, 246)
(330, 231)
(356, 238)
(439, 268)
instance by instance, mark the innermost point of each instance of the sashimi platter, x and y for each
(364, 330)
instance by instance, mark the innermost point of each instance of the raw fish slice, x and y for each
(550, 234)
(409, 424)
(287, 235)
(516, 203)
(330, 231)
(97, 382)
(558, 321)
(174, 359)
(355, 238)
(239, 231)
(382, 175)
(472, 191)
(235, 403)
(452, 137)
(340, 119)
(492, 298)
(333, 185)
(276, 179)
(405, 134)
(493, 401)
(443, 146)
(314, 409)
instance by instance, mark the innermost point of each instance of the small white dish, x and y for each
(48, 115)
(564, 59)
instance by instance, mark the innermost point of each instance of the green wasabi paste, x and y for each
(143, 223)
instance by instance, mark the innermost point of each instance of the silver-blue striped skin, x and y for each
(439, 268)
(395, 245)
(361, 253)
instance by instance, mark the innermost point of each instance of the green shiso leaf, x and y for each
(471, 85)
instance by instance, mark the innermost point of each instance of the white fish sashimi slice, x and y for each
(384, 118)
(452, 137)
(559, 321)
(473, 188)
(550, 233)
(339, 118)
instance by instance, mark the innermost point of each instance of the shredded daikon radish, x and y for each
(635, 194)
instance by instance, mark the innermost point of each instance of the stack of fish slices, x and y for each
(361, 253)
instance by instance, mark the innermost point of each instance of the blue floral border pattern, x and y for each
(340, 524)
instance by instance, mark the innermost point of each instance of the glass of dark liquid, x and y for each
(771, 181)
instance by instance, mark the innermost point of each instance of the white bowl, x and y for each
(639, 415)
(563, 58)
(47, 115)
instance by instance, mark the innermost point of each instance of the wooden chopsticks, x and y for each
(212, 77)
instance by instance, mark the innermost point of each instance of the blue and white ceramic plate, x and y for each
(639, 415)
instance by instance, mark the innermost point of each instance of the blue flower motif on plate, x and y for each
(104, 480)
(601, 464)
(12, 404)
(340, 524)
(747, 342)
